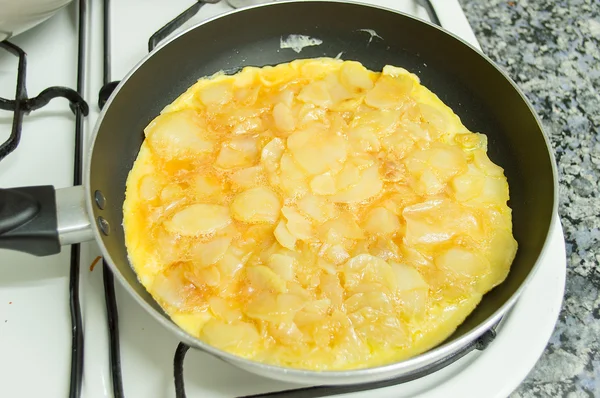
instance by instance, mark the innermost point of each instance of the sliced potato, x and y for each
(284, 119)
(239, 152)
(284, 266)
(297, 224)
(284, 236)
(216, 94)
(271, 153)
(369, 185)
(317, 151)
(365, 268)
(199, 219)
(462, 263)
(380, 220)
(238, 336)
(256, 205)
(317, 208)
(355, 76)
(179, 135)
(150, 187)
(316, 93)
(261, 277)
(210, 252)
(390, 92)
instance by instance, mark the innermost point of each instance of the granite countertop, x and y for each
(552, 50)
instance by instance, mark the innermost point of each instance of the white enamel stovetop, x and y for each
(34, 313)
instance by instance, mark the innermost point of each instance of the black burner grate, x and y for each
(178, 361)
(23, 105)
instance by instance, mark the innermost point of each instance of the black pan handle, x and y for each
(28, 220)
(39, 220)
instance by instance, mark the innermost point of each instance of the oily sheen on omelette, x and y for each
(316, 215)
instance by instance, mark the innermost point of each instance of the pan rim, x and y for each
(442, 350)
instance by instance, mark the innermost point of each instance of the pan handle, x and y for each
(38, 220)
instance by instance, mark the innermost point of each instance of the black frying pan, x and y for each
(486, 100)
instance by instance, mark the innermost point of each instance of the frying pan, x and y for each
(39, 219)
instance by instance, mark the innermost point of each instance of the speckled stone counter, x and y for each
(552, 50)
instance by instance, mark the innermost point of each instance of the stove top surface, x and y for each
(35, 339)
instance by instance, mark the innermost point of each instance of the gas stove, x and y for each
(118, 350)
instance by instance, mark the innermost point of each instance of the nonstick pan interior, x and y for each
(484, 99)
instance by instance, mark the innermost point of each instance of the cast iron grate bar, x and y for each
(112, 315)
(180, 352)
(23, 105)
(77, 341)
(175, 23)
(112, 311)
(433, 17)
(108, 86)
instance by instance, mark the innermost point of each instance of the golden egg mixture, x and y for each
(316, 215)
